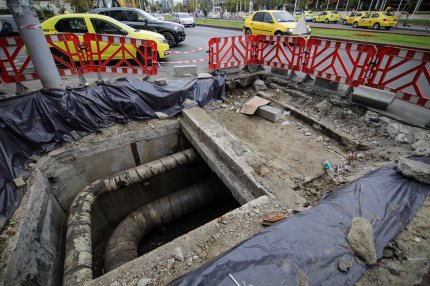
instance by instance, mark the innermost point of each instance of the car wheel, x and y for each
(376, 26)
(278, 33)
(344, 22)
(248, 31)
(194, 25)
(314, 20)
(355, 25)
(326, 21)
(140, 57)
(170, 38)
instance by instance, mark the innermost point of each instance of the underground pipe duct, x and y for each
(78, 258)
(124, 241)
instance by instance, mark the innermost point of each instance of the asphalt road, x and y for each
(197, 42)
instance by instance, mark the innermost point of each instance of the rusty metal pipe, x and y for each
(78, 260)
(124, 241)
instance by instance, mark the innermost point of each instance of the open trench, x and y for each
(171, 195)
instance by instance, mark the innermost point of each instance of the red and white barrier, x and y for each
(405, 72)
(228, 52)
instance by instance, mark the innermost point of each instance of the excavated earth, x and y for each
(294, 151)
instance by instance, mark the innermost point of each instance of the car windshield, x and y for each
(388, 14)
(283, 17)
(147, 15)
(183, 15)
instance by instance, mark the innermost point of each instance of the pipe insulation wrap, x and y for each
(124, 241)
(78, 258)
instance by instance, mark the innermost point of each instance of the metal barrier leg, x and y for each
(292, 74)
(348, 92)
(307, 78)
(82, 80)
(99, 78)
(20, 88)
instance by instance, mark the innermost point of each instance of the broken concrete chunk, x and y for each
(372, 116)
(360, 239)
(259, 85)
(392, 130)
(160, 82)
(416, 170)
(203, 75)
(144, 282)
(393, 268)
(344, 265)
(19, 182)
(178, 254)
(161, 115)
(422, 147)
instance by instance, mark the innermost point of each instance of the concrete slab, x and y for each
(185, 70)
(373, 97)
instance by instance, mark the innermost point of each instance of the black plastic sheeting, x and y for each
(41, 121)
(309, 245)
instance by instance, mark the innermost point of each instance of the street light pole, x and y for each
(416, 8)
(29, 27)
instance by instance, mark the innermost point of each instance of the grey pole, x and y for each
(416, 8)
(29, 27)
(399, 5)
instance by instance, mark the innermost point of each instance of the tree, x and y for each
(152, 8)
(230, 5)
(179, 7)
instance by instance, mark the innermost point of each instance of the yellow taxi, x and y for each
(376, 20)
(79, 24)
(272, 22)
(352, 16)
(326, 17)
(309, 15)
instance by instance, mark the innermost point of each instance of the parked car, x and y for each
(326, 17)
(214, 15)
(349, 20)
(158, 16)
(185, 19)
(376, 20)
(271, 22)
(309, 15)
(139, 19)
(8, 26)
(80, 24)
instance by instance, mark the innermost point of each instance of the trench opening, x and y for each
(112, 209)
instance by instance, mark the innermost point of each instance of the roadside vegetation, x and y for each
(417, 41)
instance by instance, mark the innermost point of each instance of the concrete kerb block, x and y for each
(279, 71)
(325, 83)
(270, 113)
(373, 97)
(185, 70)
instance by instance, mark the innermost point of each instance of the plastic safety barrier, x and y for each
(280, 52)
(405, 72)
(98, 53)
(342, 62)
(115, 54)
(228, 52)
(15, 64)
(68, 54)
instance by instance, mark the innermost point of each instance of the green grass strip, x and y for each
(417, 41)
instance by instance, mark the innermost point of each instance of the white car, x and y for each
(214, 15)
(158, 16)
(185, 19)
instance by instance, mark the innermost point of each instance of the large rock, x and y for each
(392, 130)
(259, 85)
(422, 147)
(414, 169)
(360, 239)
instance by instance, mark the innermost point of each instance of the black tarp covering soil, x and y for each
(308, 246)
(40, 121)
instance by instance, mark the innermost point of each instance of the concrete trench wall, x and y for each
(33, 255)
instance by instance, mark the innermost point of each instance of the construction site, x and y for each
(289, 162)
